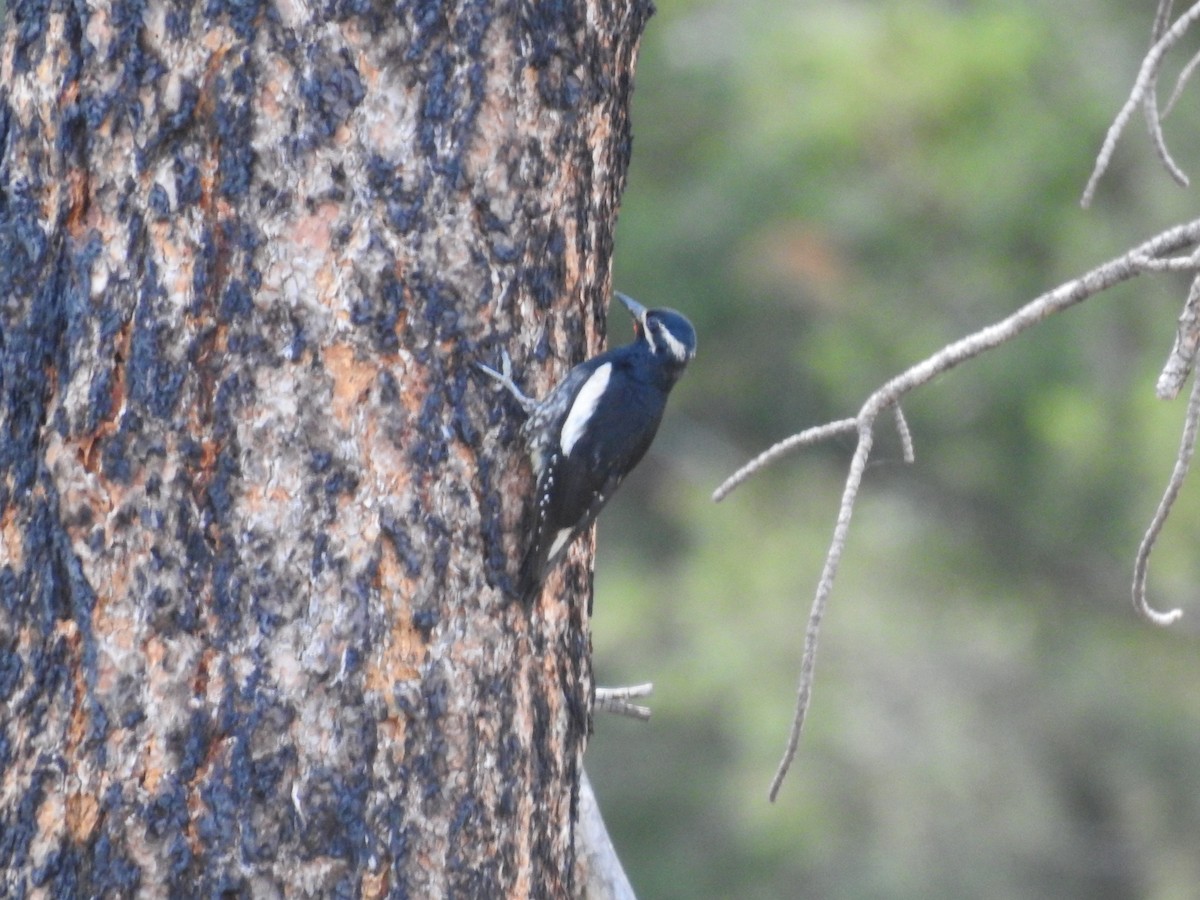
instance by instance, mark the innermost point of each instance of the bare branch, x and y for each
(1183, 354)
(1143, 86)
(1142, 259)
(598, 868)
(599, 872)
(1183, 463)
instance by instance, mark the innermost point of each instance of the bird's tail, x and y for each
(533, 572)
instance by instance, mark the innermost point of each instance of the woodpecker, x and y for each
(593, 427)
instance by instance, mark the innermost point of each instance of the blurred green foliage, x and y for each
(832, 191)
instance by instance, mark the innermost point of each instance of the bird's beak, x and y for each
(635, 309)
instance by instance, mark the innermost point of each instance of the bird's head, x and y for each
(668, 335)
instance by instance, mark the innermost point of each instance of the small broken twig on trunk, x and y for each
(616, 701)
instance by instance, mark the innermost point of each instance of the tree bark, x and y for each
(257, 512)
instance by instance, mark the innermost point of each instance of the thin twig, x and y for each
(1154, 126)
(1183, 354)
(1162, 15)
(1185, 75)
(1144, 83)
(784, 447)
(1183, 462)
(906, 441)
(1150, 103)
(858, 465)
(1137, 261)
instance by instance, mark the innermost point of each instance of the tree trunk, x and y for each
(257, 511)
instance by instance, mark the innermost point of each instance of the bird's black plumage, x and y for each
(593, 428)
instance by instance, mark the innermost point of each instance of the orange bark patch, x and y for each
(78, 201)
(352, 378)
(78, 726)
(154, 764)
(154, 761)
(374, 885)
(258, 495)
(90, 445)
(366, 71)
(311, 237)
(83, 814)
(466, 457)
(50, 815)
(11, 544)
(399, 658)
(272, 90)
(312, 232)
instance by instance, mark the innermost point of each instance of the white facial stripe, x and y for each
(560, 540)
(649, 332)
(583, 407)
(674, 345)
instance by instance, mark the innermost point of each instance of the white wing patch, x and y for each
(581, 410)
(559, 540)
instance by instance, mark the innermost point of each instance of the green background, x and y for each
(832, 191)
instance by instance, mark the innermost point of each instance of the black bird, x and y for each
(593, 428)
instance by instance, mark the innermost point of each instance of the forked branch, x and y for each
(1157, 254)
(1145, 94)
